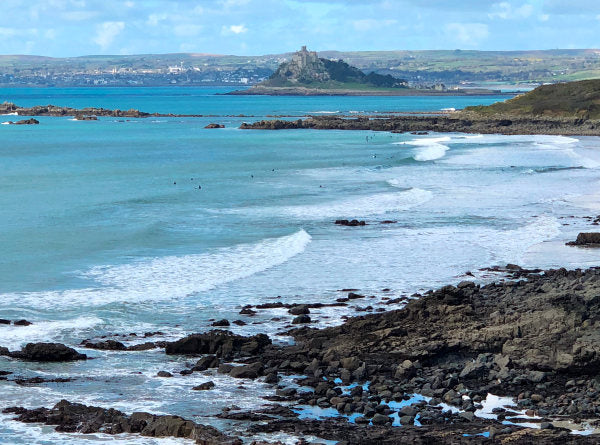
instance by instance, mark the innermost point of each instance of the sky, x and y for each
(65, 28)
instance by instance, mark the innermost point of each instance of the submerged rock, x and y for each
(352, 223)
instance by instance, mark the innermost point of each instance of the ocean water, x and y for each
(121, 226)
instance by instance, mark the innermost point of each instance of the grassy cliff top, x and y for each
(574, 99)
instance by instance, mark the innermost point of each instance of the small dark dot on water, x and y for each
(199, 187)
(174, 183)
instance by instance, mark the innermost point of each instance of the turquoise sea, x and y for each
(122, 226)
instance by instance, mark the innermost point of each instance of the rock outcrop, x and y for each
(45, 352)
(77, 418)
(586, 240)
(223, 344)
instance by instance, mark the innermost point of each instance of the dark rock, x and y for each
(3, 321)
(164, 374)
(299, 310)
(210, 361)
(48, 352)
(220, 323)
(301, 319)
(22, 323)
(586, 239)
(25, 122)
(40, 380)
(108, 345)
(211, 126)
(74, 417)
(224, 368)
(219, 342)
(247, 311)
(204, 386)
(247, 371)
(352, 223)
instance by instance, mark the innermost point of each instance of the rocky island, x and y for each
(307, 74)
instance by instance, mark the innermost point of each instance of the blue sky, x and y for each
(80, 27)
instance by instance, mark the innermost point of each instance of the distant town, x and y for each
(418, 68)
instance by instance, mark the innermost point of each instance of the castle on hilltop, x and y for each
(305, 66)
(307, 69)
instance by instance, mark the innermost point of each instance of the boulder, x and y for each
(47, 352)
(220, 343)
(301, 309)
(108, 345)
(586, 239)
(221, 323)
(210, 361)
(212, 126)
(247, 371)
(301, 319)
(204, 386)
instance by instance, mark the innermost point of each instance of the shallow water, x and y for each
(121, 226)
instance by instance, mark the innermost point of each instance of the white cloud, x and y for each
(18, 32)
(107, 32)
(155, 19)
(506, 11)
(469, 34)
(187, 30)
(234, 29)
(77, 16)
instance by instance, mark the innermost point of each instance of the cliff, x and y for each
(563, 100)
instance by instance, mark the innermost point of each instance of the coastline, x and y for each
(458, 122)
(419, 374)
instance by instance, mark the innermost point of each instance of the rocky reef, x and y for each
(455, 123)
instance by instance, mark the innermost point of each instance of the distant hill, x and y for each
(419, 68)
(574, 99)
(307, 69)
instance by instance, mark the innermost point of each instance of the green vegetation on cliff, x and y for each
(574, 99)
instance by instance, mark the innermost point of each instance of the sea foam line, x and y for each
(361, 206)
(170, 277)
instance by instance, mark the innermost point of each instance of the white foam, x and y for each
(361, 206)
(431, 148)
(5, 123)
(13, 337)
(324, 112)
(171, 276)
(10, 114)
(510, 246)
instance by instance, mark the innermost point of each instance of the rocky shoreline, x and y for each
(459, 122)
(88, 113)
(421, 374)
